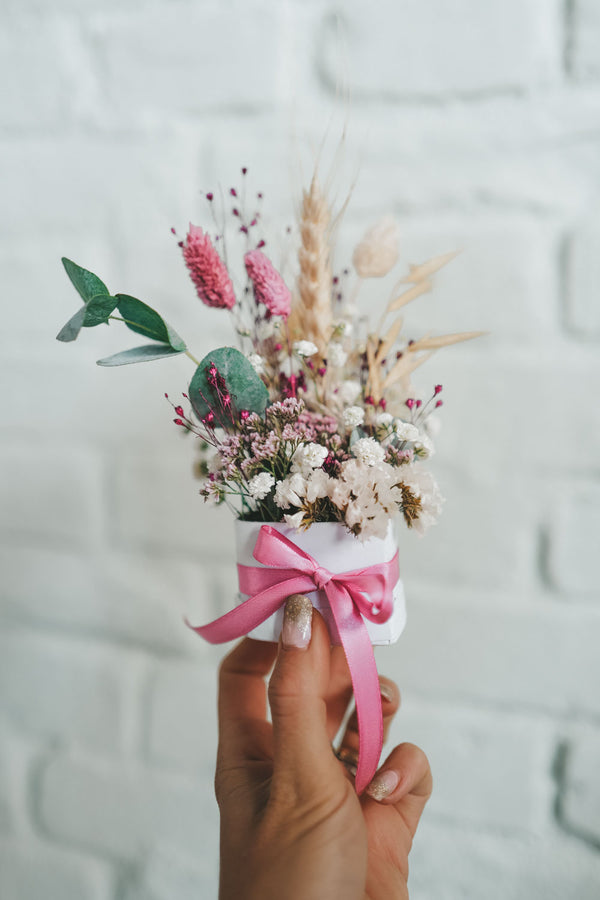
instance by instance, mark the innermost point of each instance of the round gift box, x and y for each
(335, 549)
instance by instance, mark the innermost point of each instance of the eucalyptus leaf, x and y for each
(356, 435)
(139, 354)
(98, 310)
(144, 320)
(246, 389)
(85, 282)
(70, 331)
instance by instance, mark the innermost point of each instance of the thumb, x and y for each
(302, 754)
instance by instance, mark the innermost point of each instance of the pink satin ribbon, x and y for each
(292, 571)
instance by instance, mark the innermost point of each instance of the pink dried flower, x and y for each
(269, 287)
(207, 270)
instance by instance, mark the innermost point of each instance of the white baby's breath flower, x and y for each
(336, 355)
(406, 431)
(353, 416)
(260, 485)
(377, 253)
(349, 391)
(308, 457)
(257, 363)
(290, 491)
(368, 451)
(295, 520)
(424, 446)
(305, 348)
(384, 418)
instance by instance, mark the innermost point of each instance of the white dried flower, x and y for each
(406, 431)
(260, 485)
(368, 451)
(257, 363)
(305, 348)
(424, 446)
(336, 355)
(295, 520)
(384, 418)
(353, 416)
(377, 252)
(308, 457)
(349, 391)
(339, 492)
(290, 491)
(318, 485)
(424, 486)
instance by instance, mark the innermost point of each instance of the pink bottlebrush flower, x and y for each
(207, 270)
(269, 287)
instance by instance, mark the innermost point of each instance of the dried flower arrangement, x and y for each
(313, 418)
(311, 424)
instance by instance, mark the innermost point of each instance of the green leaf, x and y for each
(98, 310)
(144, 320)
(70, 331)
(356, 435)
(247, 390)
(85, 282)
(139, 354)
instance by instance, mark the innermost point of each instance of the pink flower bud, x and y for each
(410, 403)
(207, 270)
(437, 389)
(269, 287)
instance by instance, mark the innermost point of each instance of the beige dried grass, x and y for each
(417, 352)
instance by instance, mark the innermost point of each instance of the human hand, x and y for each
(292, 825)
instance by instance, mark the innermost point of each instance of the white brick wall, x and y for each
(477, 125)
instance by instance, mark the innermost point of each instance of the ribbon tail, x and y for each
(365, 682)
(252, 612)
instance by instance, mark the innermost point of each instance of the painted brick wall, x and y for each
(478, 125)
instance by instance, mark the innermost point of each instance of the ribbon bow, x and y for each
(289, 570)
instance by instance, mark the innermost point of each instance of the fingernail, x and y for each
(383, 785)
(297, 622)
(386, 691)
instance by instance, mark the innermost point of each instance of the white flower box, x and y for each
(335, 549)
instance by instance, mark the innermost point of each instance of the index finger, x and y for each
(242, 690)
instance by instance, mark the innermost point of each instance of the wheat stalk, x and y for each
(311, 316)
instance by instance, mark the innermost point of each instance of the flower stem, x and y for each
(193, 358)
